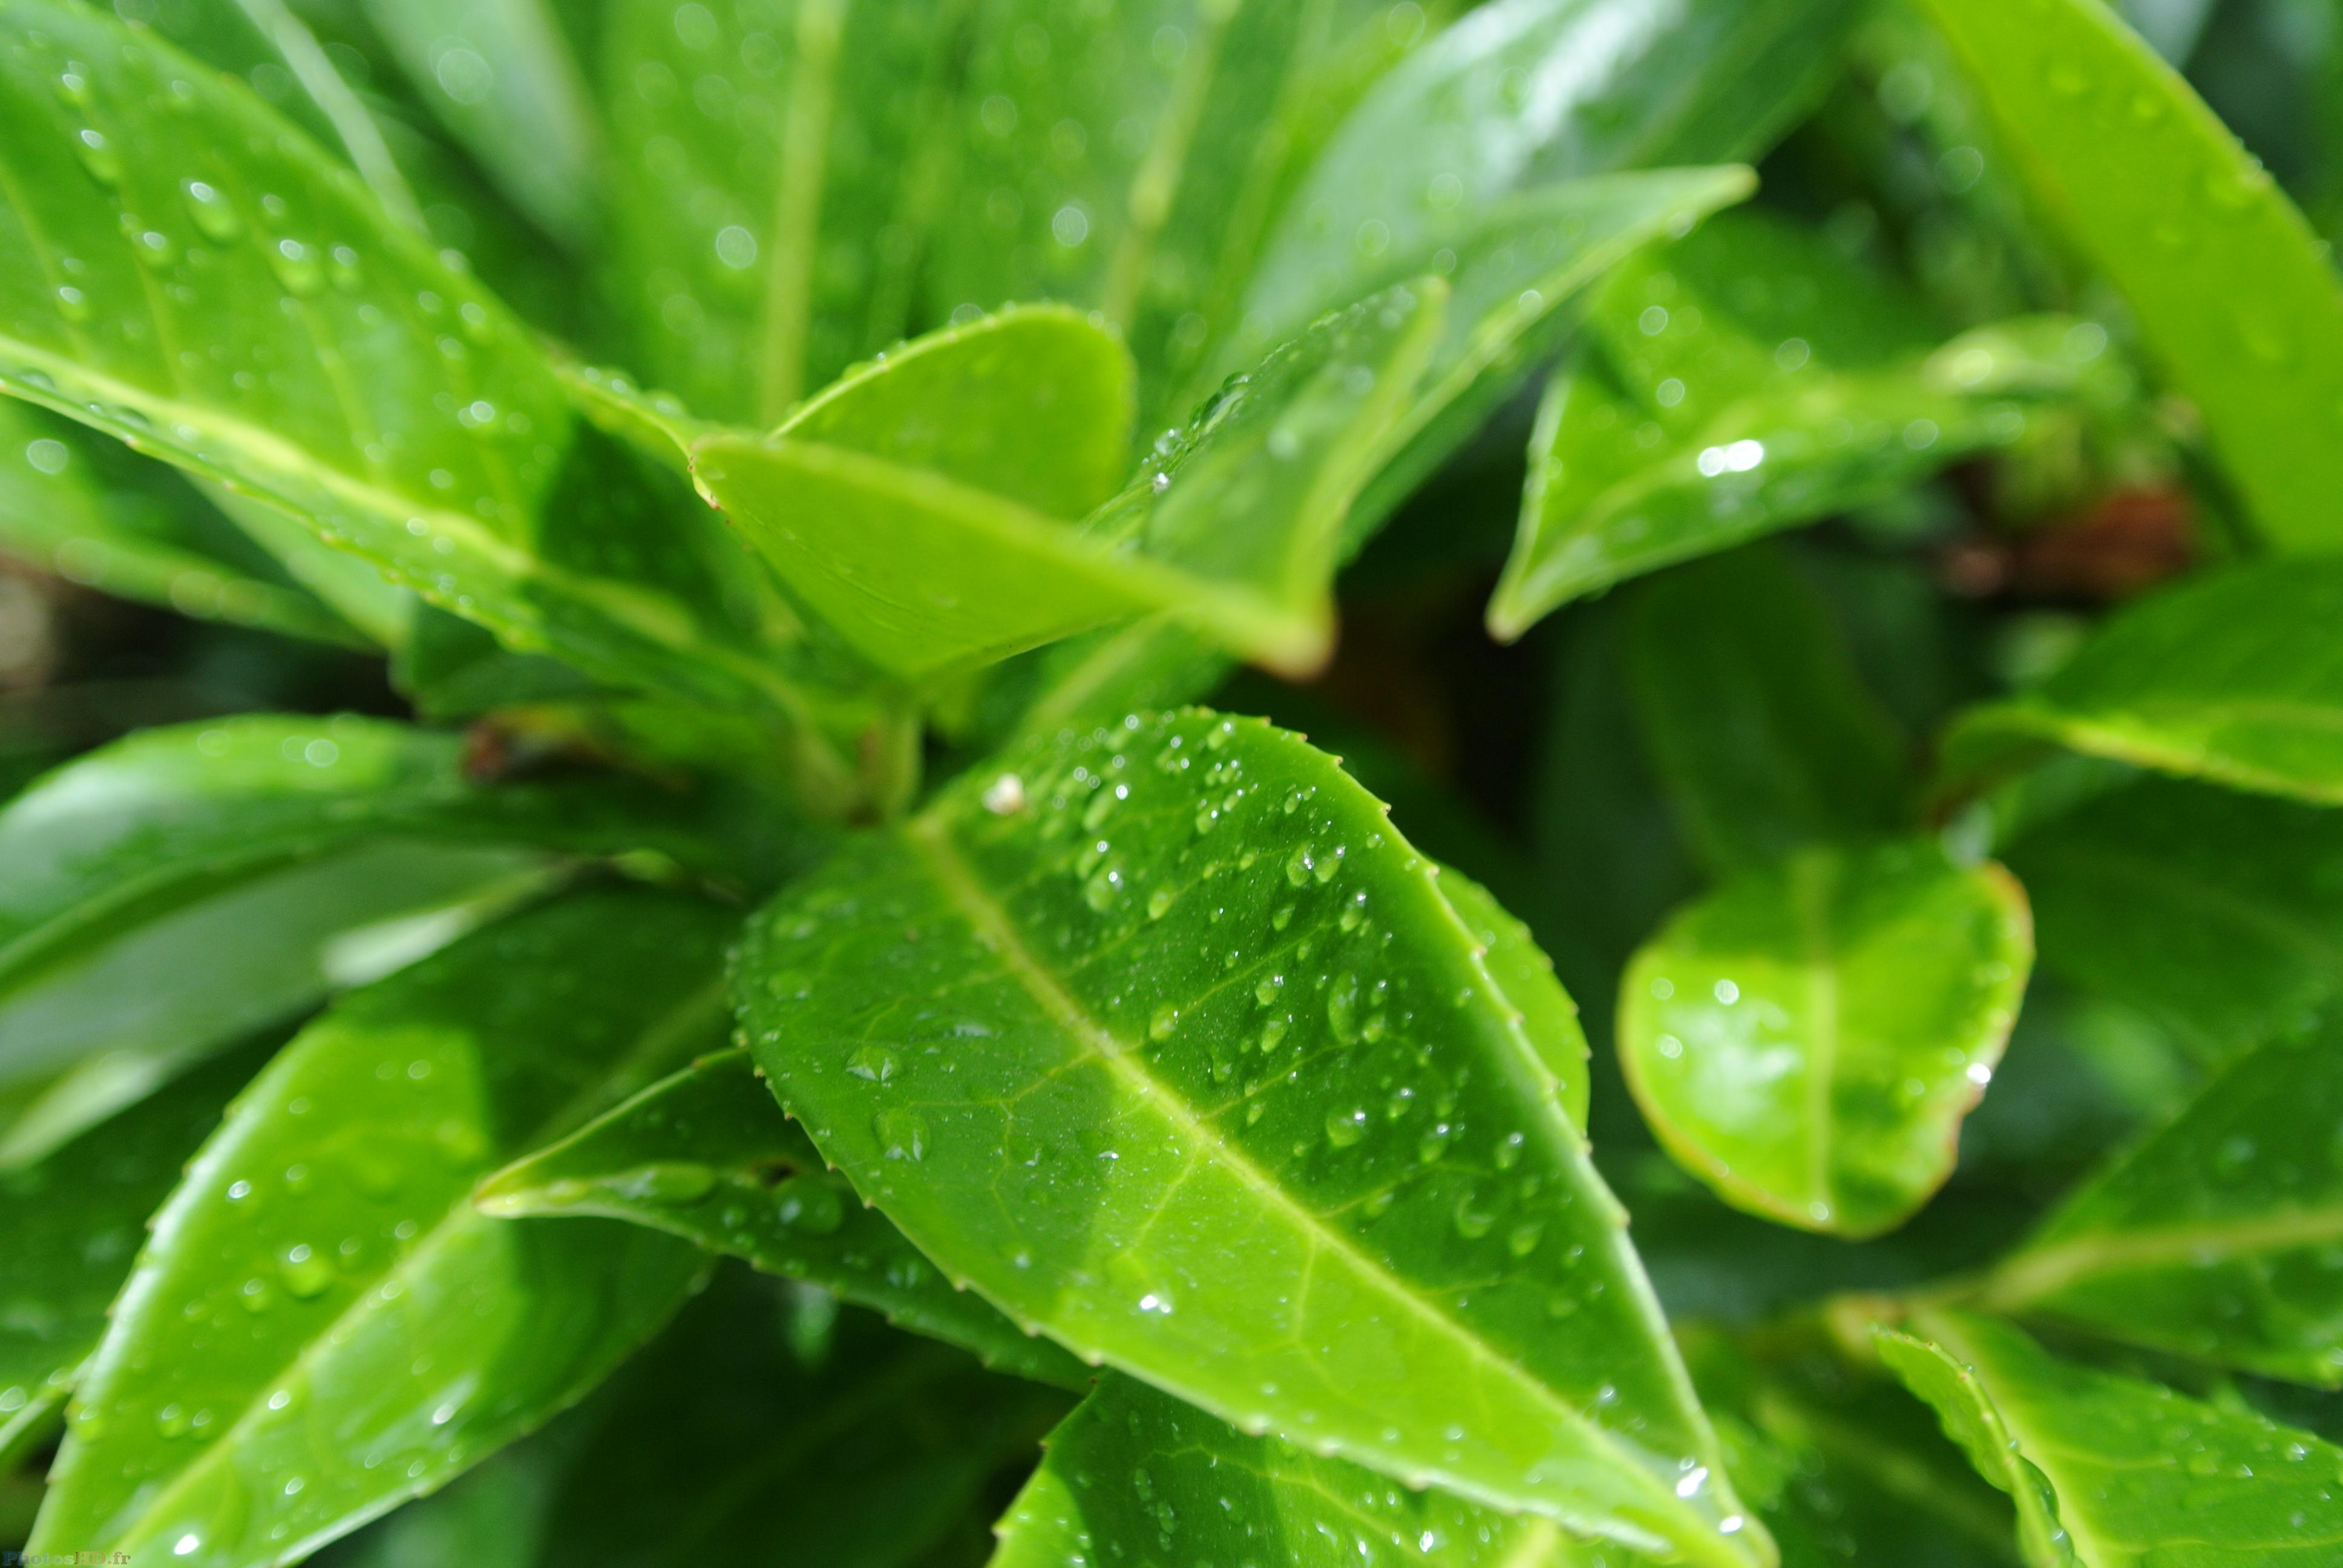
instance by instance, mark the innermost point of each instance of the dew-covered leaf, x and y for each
(322, 1305)
(2219, 915)
(71, 1224)
(350, 376)
(80, 506)
(2215, 1237)
(1806, 1039)
(1746, 378)
(2115, 1472)
(1136, 1476)
(2234, 292)
(2236, 678)
(706, 1155)
(776, 186)
(180, 887)
(1165, 1041)
(929, 550)
(1763, 734)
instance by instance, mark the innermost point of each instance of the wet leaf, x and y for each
(2115, 1472)
(71, 1225)
(1763, 734)
(321, 1304)
(1746, 379)
(82, 506)
(2232, 679)
(1806, 1039)
(2216, 1236)
(2215, 914)
(1176, 994)
(371, 391)
(1136, 1476)
(706, 1155)
(2233, 291)
(930, 551)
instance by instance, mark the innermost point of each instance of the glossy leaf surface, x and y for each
(928, 551)
(2215, 1237)
(360, 382)
(2233, 290)
(1135, 1476)
(71, 1224)
(1764, 736)
(1806, 1039)
(2235, 678)
(78, 505)
(1744, 380)
(320, 1300)
(2214, 913)
(1178, 995)
(706, 1155)
(2115, 1472)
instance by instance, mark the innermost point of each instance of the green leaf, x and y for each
(1524, 975)
(500, 75)
(705, 1155)
(71, 1224)
(2114, 1472)
(1520, 94)
(1178, 995)
(181, 887)
(1746, 379)
(322, 1303)
(371, 391)
(2214, 1237)
(2233, 291)
(930, 552)
(775, 169)
(1806, 1039)
(2219, 915)
(2232, 677)
(82, 506)
(1136, 1476)
(1764, 736)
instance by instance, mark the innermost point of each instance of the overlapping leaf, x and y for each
(2215, 914)
(322, 1305)
(1808, 1039)
(1744, 380)
(2216, 1236)
(2233, 291)
(2115, 1472)
(1162, 1039)
(187, 272)
(928, 542)
(706, 1155)
(81, 506)
(70, 1226)
(2235, 678)
(170, 892)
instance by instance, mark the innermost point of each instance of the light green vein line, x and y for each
(797, 209)
(992, 926)
(1156, 186)
(2031, 1276)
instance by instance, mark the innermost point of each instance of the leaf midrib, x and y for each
(993, 929)
(2031, 1276)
